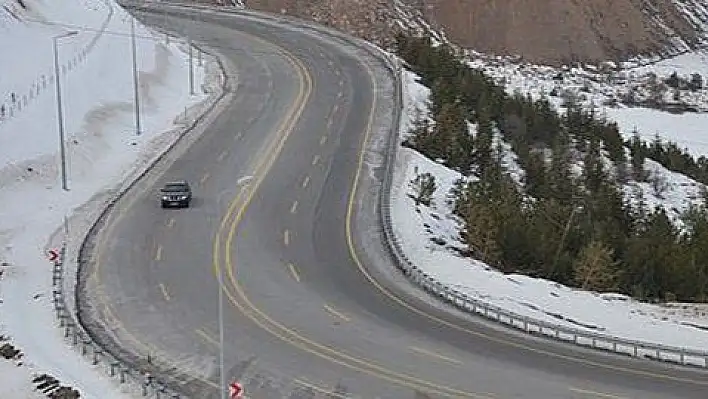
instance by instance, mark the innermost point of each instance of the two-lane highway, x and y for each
(285, 181)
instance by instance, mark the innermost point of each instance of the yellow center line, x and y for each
(323, 139)
(237, 296)
(293, 208)
(315, 160)
(286, 237)
(222, 156)
(335, 108)
(238, 136)
(171, 222)
(317, 388)
(207, 337)
(340, 94)
(204, 178)
(335, 312)
(294, 272)
(595, 394)
(341, 82)
(428, 353)
(305, 181)
(164, 292)
(158, 253)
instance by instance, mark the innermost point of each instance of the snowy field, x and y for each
(103, 149)
(428, 236)
(607, 90)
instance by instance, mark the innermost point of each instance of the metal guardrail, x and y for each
(80, 339)
(148, 385)
(462, 301)
(74, 331)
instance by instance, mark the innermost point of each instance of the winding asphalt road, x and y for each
(285, 178)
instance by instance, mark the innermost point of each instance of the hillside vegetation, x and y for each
(568, 220)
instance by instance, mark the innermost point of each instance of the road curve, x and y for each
(285, 179)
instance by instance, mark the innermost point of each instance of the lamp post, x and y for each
(191, 67)
(60, 115)
(222, 375)
(136, 92)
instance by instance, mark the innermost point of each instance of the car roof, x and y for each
(177, 183)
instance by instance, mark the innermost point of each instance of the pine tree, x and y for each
(595, 268)
(594, 174)
(423, 186)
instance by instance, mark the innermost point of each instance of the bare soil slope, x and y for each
(555, 31)
(541, 31)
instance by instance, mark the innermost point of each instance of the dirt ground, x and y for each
(540, 31)
(554, 31)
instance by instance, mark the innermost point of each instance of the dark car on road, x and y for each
(176, 193)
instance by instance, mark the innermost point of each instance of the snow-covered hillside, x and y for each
(102, 147)
(435, 251)
(621, 93)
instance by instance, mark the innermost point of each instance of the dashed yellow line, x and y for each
(340, 94)
(286, 237)
(325, 391)
(293, 207)
(222, 156)
(595, 394)
(171, 222)
(158, 253)
(434, 355)
(335, 108)
(323, 139)
(204, 178)
(207, 337)
(164, 292)
(294, 272)
(305, 181)
(335, 312)
(315, 160)
(238, 136)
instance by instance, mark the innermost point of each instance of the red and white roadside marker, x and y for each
(235, 390)
(53, 255)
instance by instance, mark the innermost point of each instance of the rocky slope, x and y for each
(540, 31)
(562, 30)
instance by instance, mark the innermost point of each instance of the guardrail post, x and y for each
(123, 370)
(113, 368)
(682, 354)
(97, 352)
(636, 351)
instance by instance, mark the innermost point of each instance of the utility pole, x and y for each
(136, 90)
(191, 67)
(222, 374)
(60, 112)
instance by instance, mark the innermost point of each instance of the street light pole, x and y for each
(60, 115)
(136, 92)
(222, 373)
(191, 67)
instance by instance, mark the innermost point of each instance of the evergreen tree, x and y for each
(595, 268)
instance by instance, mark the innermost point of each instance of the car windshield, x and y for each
(174, 188)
